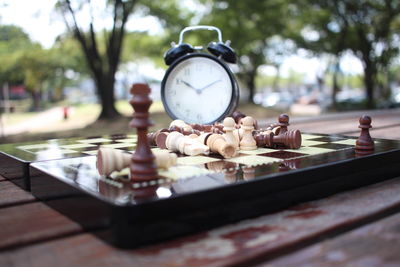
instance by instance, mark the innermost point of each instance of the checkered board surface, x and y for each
(68, 148)
(190, 166)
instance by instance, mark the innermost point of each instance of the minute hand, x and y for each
(208, 85)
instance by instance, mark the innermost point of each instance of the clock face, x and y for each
(198, 89)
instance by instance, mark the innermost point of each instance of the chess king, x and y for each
(199, 87)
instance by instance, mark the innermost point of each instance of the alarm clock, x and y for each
(199, 87)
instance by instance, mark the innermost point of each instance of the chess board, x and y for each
(17, 157)
(206, 191)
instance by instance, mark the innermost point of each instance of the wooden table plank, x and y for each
(257, 238)
(11, 194)
(349, 126)
(376, 244)
(33, 222)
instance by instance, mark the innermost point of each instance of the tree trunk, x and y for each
(105, 90)
(251, 85)
(275, 84)
(369, 82)
(335, 84)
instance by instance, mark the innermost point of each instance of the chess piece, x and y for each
(110, 160)
(229, 127)
(181, 124)
(247, 142)
(143, 167)
(289, 139)
(153, 136)
(264, 139)
(238, 116)
(364, 144)
(218, 144)
(176, 141)
(283, 123)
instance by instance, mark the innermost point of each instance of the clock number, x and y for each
(178, 81)
(187, 72)
(199, 117)
(172, 93)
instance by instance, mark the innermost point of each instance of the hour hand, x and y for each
(188, 85)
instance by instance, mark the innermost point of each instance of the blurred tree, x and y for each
(102, 61)
(250, 25)
(366, 27)
(103, 49)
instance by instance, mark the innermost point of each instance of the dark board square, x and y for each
(328, 138)
(333, 146)
(282, 154)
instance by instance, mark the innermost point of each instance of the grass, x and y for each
(82, 122)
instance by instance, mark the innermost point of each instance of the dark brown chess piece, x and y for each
(364, 144)
(143, 167)
(283, 122)
(264, 139)
(237, 116)
(288, 139)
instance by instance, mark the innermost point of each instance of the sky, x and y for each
(43, 24)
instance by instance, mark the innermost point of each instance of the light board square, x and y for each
(182, 172)
(256, 151)
(253, 160)
(195, 160)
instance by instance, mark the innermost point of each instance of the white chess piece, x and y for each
(229, 127)
(186, 145)
(248, 142)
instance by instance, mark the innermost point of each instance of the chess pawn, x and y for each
(364, 144)
(229, 127)
(247, 142)
(218, 144)
(283, 123)
(110, 160)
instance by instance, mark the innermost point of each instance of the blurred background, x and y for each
(67, 65)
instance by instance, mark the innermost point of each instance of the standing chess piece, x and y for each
(229, 127)
(283, 122)
(247, 142)
(364, 143)
(143, 167)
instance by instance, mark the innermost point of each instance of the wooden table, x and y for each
(359, 227)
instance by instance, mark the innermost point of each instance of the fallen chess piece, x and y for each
(177, 142)
(110, 160)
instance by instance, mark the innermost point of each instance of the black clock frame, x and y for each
(235, 88)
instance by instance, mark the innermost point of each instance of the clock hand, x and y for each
(189, 85)
(214, 82)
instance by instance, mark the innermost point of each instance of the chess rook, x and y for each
(364, 144)
(264, 139)
(289, 139)
(143, 167)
